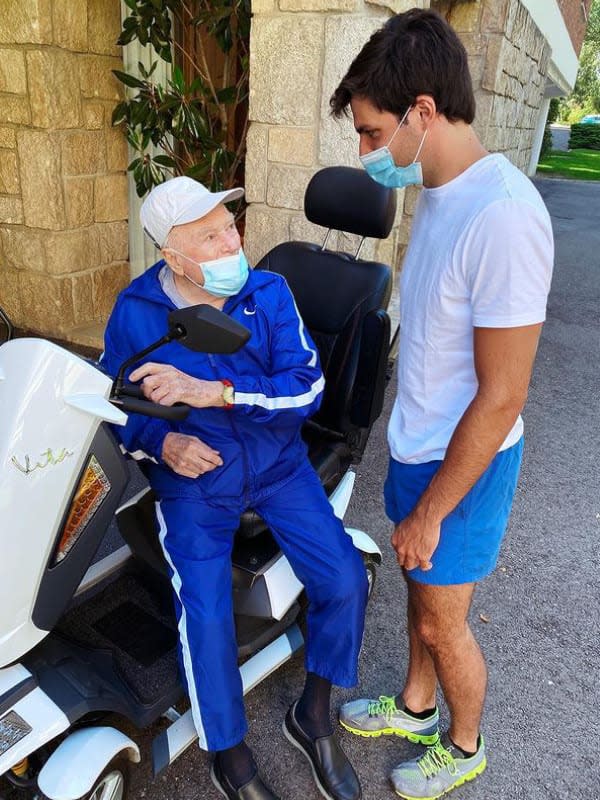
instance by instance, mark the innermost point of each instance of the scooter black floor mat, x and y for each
(125, 619)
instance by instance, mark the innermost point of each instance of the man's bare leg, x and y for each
(438, 617)
(421, 679)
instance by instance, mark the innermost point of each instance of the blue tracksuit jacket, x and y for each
(278, 385)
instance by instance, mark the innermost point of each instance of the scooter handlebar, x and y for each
(136, 405)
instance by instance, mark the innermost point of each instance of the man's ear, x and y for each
(172, 259)
(426, 108)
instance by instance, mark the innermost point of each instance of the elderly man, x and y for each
(473, 297)
(239, 448)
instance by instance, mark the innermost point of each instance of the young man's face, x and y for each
(375, 129)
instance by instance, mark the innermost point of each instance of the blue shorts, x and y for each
(471, 535)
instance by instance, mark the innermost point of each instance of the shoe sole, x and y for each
(464, 779)
(416, 738)
(299, 747)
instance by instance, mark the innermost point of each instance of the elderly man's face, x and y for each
(213, 236)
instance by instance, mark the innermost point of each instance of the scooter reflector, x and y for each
(13, 728)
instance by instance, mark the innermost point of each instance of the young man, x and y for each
(472, 301)
(239, 448)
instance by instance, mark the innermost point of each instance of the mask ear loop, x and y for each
(421, 145)
(400, 124)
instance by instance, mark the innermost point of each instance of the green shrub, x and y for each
(584, 137)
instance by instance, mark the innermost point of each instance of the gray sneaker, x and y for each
(439, 770)
(381, 717)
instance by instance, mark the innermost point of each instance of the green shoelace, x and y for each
(385, 706)
(435, 759)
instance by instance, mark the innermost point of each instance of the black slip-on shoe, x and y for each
(333, 773)
(255, 789)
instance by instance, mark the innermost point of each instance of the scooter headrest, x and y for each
(347, 199)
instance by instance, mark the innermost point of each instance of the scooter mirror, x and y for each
(205, 329)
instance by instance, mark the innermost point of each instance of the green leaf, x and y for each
(165, 161)
(227, 95)
(128, 80)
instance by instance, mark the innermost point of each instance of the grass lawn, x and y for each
(581, 165)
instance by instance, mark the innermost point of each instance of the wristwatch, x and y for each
(228, 393)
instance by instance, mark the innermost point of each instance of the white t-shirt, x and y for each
(480, 255)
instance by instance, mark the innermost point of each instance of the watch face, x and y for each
(228, 394)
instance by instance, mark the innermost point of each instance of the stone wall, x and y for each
(299, 51)
(508, 58)
(63, 186)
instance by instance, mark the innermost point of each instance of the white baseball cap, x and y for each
(177, 201)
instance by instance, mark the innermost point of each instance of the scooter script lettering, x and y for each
(51, 459)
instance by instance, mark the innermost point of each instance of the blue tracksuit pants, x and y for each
(197, 538)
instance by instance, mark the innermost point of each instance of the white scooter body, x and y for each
(52, 404)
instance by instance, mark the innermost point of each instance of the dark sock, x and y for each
(312, 711)
(465, 753)
(416, 714)
(237, 764)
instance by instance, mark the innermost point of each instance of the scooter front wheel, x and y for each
(113, 782)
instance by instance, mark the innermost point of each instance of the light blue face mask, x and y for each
(380, 165)
(223, 277)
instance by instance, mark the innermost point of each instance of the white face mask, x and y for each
(223, 277)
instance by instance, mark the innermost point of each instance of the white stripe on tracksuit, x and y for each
(185, 648)
(275, 403)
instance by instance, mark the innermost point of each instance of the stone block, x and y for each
(13, 77)
(47, 303)
(79, 201)
(285, 80)
(112, 241)
(83, 153)
(10, 298)
(39, 167)
(106, 284)
(23, 248)
(26, 22)
(317, 5)
(263, 6)
(338, 141)
(8, 138)
(104, 26)
(9, 172)
(493, 16)
(69, 19)
(465, 17)
(93, 115)
(256, 163)
(497, 54)
(286, 186)
(403, 234)
(116, 150)
(11, 210)
(265, 228)
(301, 230)
(411, 195)
(96, 79)
(82, 287)
(111, 198)
(70, 251)
(292, 145)
(476, 68)
(15, 109)
(483, 109)
(53, 89)
(475, 44)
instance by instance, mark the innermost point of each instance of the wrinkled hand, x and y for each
(166, 385)
(188, 456)
(415, 542)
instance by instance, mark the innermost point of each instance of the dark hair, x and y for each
(414, 53)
